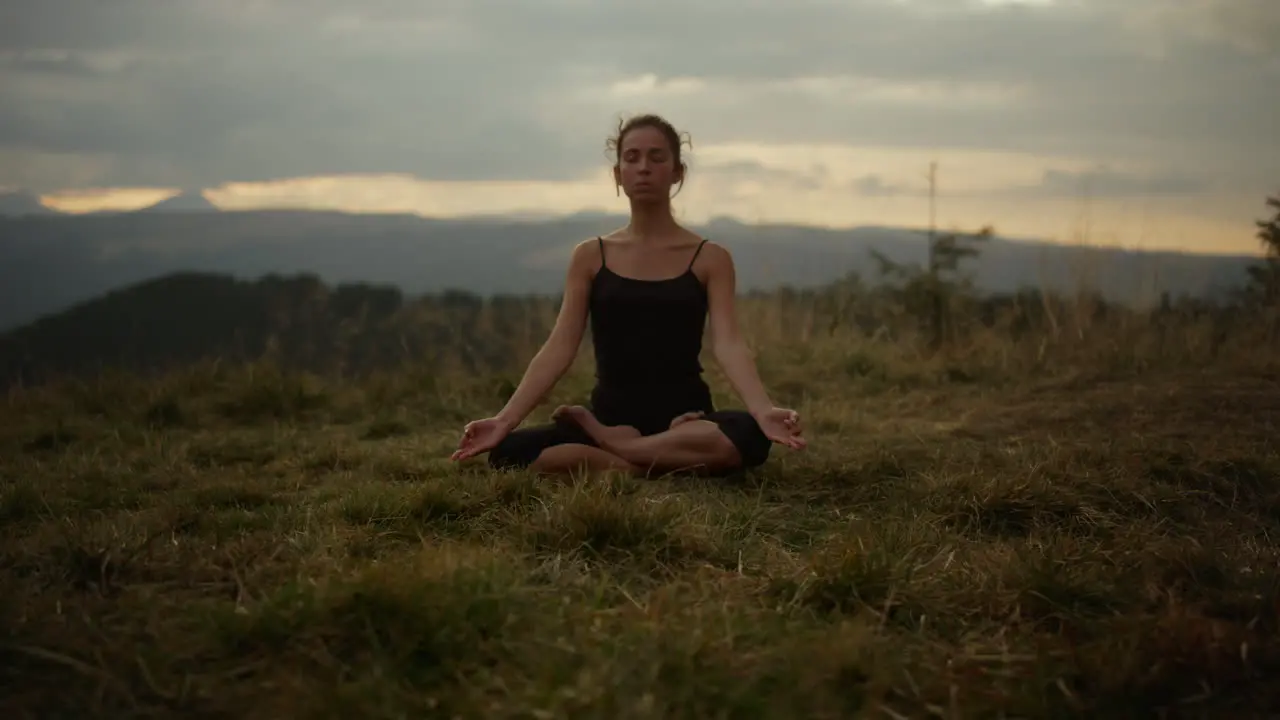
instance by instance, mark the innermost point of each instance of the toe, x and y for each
(686, 417)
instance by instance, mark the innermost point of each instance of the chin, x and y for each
(649, 195)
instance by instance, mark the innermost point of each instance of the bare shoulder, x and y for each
(716, 256)
(711, 248)
(586, 252)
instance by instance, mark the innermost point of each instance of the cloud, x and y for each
(1104, 182)
(743, 170)
(207, 92)
(875, 186)
(1251, 26)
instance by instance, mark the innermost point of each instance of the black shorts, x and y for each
(650, 413)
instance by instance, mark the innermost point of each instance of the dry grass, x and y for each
(1041, 530)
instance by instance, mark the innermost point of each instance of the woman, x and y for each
(648, 289)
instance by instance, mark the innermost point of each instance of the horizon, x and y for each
(150, 198)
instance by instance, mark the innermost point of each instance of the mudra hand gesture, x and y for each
(782, 425)
(480, 436)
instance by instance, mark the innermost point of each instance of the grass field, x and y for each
(241, 543)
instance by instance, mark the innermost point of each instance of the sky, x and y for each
(1142, 123)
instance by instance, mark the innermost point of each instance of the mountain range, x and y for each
(20, 203)
(51, 261)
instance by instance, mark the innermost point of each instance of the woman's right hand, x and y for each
(481, 436)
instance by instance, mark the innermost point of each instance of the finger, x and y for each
(784, 438)
(468, 441)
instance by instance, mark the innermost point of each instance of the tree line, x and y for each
(351, 329)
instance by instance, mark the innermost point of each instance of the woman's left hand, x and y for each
(782, 426)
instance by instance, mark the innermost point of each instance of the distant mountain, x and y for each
(20, 203)
(190, 201)
(49, 263)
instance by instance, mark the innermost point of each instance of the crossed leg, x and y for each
(573, 458)
(690, 444)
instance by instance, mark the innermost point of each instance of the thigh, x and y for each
(522, 446)
(745, 434)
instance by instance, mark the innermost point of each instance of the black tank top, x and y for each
(647, 334)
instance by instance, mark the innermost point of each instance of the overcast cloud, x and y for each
(197, 93)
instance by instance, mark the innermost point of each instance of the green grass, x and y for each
(227, 543)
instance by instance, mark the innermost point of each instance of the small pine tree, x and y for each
(1264, 279)
(1269, 230)
(928, 293)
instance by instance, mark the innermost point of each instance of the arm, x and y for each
(728, 345)
(556, 355)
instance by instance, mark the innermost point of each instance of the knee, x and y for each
(513, 452)
(744, 433)
(753, 446)
(755, 452)
(521, 448)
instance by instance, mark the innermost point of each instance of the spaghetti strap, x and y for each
(600, 240)
(695, 254)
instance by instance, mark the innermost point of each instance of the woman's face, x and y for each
(646, 167)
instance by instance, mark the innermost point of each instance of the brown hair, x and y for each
(675, 139)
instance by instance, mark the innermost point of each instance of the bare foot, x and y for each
(687, 417)
(603, 434)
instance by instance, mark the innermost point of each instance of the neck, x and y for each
(651, 221)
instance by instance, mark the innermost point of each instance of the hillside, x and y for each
(48, 264)
(1068, 520)
(175, 320)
